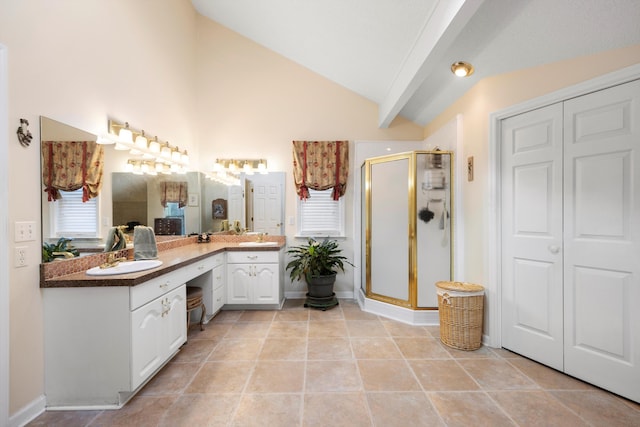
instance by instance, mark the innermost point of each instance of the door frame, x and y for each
(494, 247)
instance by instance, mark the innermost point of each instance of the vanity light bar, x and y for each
(141, 167)
(225, 178)
(127, 138)
(248, 166)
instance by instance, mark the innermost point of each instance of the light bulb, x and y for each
(175, 155)
(141, 141)
(166, 151)
(262, 167)
(154, 145)
(125, 135)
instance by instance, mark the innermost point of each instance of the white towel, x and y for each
(144, 243)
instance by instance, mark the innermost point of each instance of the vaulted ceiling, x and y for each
(398, 53)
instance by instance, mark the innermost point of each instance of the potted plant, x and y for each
(62, 249)
(318, 264)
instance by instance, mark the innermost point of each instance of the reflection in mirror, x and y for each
(57, 223)
(263, 209)
(128, 199)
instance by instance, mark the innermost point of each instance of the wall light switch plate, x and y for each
(25, 231)
(470, 168)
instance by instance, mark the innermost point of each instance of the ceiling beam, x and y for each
(438, 33)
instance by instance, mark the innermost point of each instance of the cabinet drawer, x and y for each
(242, 257)
(204, 265)
(148, 291)
(218, 299)
(218, 277)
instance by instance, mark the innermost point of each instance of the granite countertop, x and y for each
(172, 259)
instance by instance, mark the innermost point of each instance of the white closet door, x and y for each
(531, 171)
(602, 238)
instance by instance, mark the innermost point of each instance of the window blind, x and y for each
(73, 218)
(320, 215)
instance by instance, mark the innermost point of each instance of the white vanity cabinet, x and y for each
(254, 278)
(103, 343)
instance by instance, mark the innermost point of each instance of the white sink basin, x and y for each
(257, 243)
(125, 267)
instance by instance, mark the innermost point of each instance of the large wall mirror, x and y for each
(129, 199)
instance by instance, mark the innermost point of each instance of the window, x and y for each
(173, 210)
(320, 215)
(71, 218)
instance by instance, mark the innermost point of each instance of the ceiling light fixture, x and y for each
(462, 69)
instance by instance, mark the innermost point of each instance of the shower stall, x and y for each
(407, 227)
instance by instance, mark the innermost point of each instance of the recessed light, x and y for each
(462, 69)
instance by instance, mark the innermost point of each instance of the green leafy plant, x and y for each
(315, 259)
(61, 249)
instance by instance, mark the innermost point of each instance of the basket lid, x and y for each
(459, 286)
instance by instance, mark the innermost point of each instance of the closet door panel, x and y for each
(602, 238)
(531, 170)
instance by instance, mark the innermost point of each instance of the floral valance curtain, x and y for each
(71, 165)
(173, 192)
(320, 165)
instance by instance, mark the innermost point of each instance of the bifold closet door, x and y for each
(531, 171)
(602, 238)
(570, 275)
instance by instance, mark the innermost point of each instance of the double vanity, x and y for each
(106, 335)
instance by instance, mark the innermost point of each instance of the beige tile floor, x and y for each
(345, 367)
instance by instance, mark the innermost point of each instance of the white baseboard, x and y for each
(401, 314)
(28, 413)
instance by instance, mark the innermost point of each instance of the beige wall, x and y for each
(79, 62)
(253, 102)
(494, 94)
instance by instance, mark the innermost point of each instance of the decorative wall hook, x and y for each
(24, 135)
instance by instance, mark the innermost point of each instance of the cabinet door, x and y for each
(147, 353)
(175, 320)
(265, 284)
(239, 283)
(159, 328)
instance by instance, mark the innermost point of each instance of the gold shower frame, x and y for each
(412, 187)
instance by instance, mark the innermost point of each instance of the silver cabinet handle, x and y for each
(164, 286)
(554, 249)
(252, 256)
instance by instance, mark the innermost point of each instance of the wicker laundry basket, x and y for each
(460, 307)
